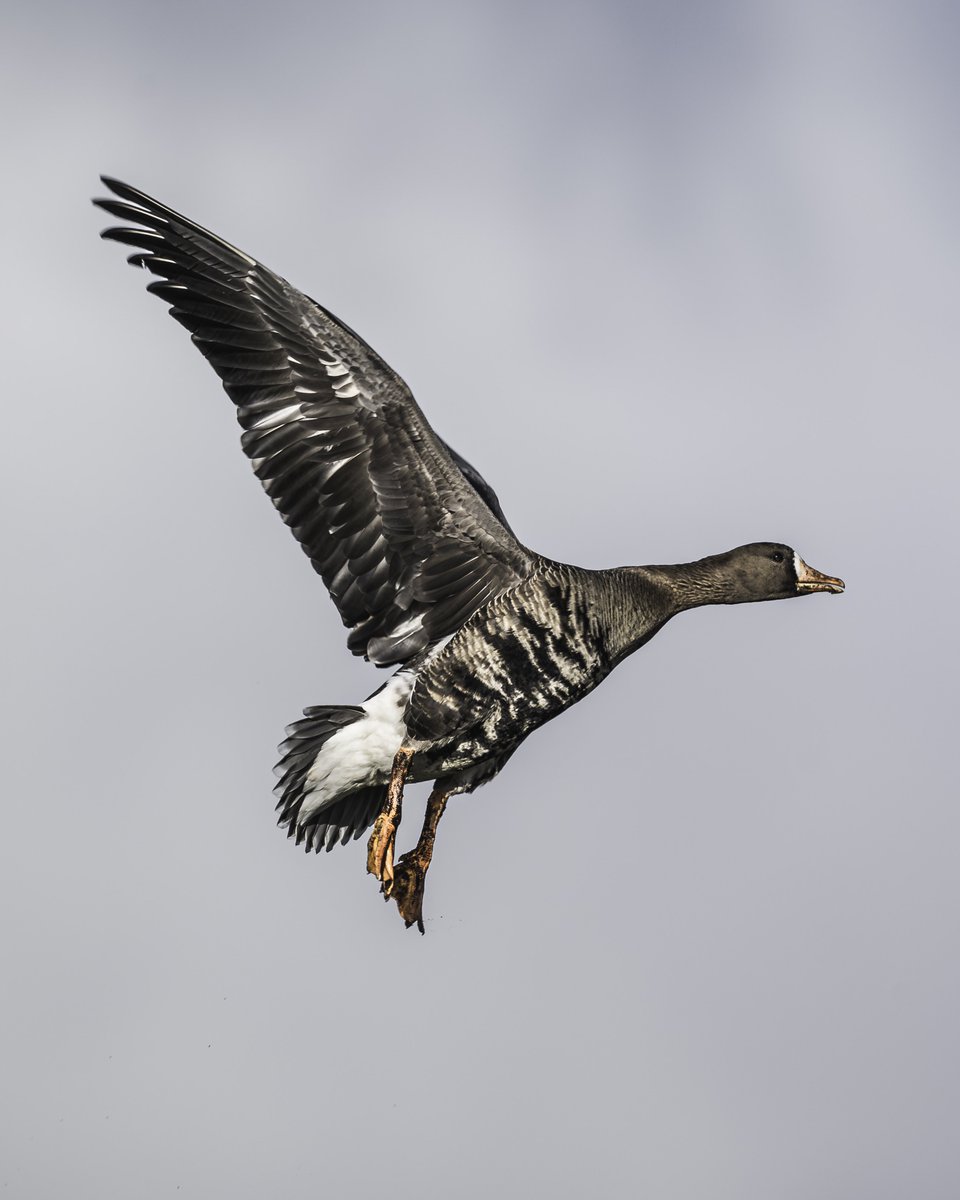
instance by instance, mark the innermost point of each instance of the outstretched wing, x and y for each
(407, 536)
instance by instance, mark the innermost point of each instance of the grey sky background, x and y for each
(674, 277)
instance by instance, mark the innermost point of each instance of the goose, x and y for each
(487, 640)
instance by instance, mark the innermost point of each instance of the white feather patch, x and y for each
(362, 753)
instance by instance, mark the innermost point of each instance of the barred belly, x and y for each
(518, 662)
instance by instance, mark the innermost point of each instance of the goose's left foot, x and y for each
(411, 870)
(380, 850)
(383, 838)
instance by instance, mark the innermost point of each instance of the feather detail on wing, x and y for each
(408, 538)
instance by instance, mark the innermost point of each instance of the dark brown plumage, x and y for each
(490, 639)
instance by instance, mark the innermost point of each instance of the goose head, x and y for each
(770, 571)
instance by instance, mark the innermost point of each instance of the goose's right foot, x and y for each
(411, 873)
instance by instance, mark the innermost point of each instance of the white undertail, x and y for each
(361, 753)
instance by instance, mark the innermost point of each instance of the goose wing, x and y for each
(408, 538)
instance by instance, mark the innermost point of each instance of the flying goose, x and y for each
(487, 640)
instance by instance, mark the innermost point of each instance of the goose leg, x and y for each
(381, 843)
(411, 869)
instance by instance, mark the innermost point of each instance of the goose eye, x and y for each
(777, 556)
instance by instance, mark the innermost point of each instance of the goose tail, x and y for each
(316, 818)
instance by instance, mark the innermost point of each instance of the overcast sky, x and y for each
(675, 277)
